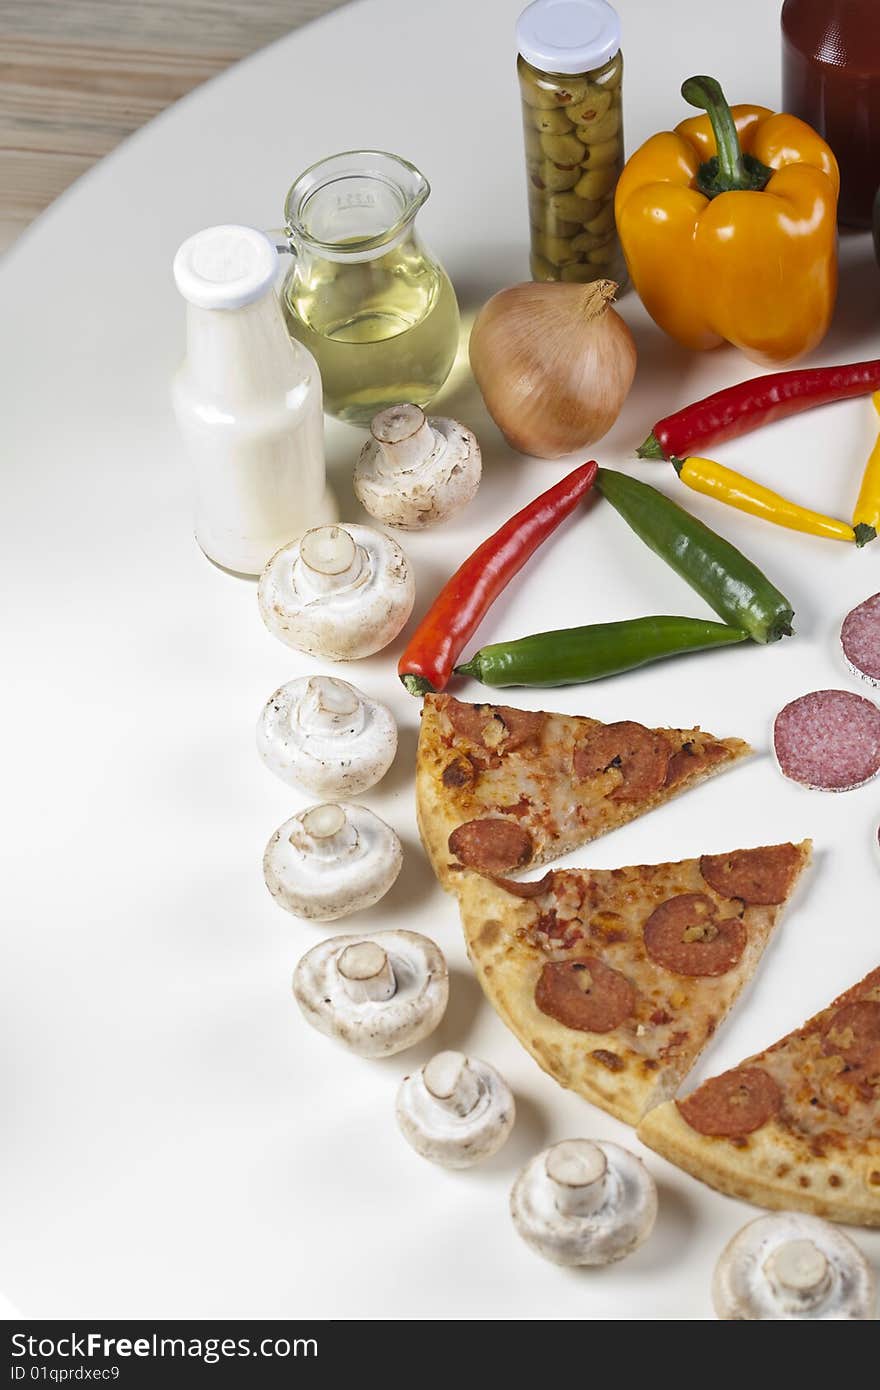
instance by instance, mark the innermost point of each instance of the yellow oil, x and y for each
(381, 331)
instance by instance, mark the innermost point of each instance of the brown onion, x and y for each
(554, 363)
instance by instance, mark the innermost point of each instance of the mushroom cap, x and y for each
(375, 1027)
(623, 1218)
(326, 737)
(424, 491)
(434, 1128)
(791, 1266)
(355, 616)
(330, 860)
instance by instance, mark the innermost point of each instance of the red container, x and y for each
(831, 79)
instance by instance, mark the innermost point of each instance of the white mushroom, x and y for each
(331, 860)
(341, 592)
(584, 1202)
(456, 1111)
(326, 737)
(416, 470)
(792, 1266)
(377, 994)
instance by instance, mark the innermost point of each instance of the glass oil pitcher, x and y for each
(364, 295)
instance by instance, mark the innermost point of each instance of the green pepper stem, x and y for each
(651, 449)
(469, 668)
(678, 464)
(730, 170)
(417, 685)
(864, 534)
(706, 93)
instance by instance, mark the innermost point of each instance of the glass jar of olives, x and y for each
(570, 74)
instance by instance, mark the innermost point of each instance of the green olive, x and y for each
(604, 255)
(553, 122)
(595, 183)
(572, 208)
(602, 153)
(580, 271)
(602, 129)
(543, 220)
(533, 144)
(593, 108)
(610, 74)
(556, 249)
(542, 269)
(603, 222)
(584, 242)
(543, 92)
(551, 177)
(562, 149)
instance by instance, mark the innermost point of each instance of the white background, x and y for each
(176, 1140)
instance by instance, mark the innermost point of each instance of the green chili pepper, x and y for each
(721, 574)
(577, 654)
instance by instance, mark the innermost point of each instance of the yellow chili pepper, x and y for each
(866, 517)
(714, 480)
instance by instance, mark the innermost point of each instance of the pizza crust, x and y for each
(772, 1168)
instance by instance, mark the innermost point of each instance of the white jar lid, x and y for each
(568, 35)
(225, 267)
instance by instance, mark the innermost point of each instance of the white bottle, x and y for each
(248, 402)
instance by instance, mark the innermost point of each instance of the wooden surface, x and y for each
(78, 76)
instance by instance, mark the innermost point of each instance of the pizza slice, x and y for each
(796, 1127)
(501, 789)
(615, 979)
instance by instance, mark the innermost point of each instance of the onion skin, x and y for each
(554, 363)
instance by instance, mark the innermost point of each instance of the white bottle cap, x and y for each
(225, 267)
(568, 35)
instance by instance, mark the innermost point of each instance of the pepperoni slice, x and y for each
(759, 876)
(500, 728)
(685, 936)
(491, 846)
(854, 1032)
(641, 755)
(585, 994)
(734, 1104)
(534, 888)
(689, 760)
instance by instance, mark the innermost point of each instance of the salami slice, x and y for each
(585, 994)
(685, 936)
(499, 728)
(461, 772)
(860, 640)
(690, 759)
(828, 740)
(641, 755)
(491, 846)
(734, 1104)
(760, 877)
(531, 888)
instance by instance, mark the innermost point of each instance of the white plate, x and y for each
(178, 1142)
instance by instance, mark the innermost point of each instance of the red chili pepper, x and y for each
(758, 401)
(464, 600)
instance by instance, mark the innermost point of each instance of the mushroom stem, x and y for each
(366, 973)
(452, 1082)
(329, 706)
(577, 1171)
(324, 831)
(328, 560)
(404, 436)
(799, 1268)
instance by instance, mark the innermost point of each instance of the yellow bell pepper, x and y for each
(714, 480)
(729, 228)
(866, 517)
